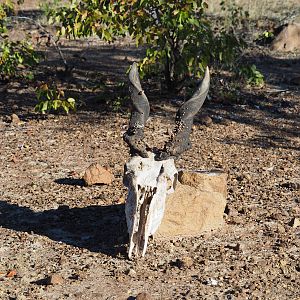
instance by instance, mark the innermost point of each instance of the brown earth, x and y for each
(54, 227)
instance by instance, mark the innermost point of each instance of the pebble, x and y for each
(295, 222)
(143, 296)
(206, 120)
(15, 119)
(185, 262)
(54, 279)
(211, 282)
(131, 272)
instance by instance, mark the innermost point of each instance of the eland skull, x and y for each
(151, 174)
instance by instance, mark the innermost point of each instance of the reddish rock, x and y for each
(96, 174)
(11, 274)
(54, 279)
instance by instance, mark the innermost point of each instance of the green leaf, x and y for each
(44, 106)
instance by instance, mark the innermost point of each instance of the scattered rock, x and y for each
(231, 211)
(280, 228)
(211, 282)
(185, 262)
(206, 120)
(288, 39)
(197, 205)
(121, 200)
(11, 274)
(143, 296)
(54, 279)
(295, 222)
(15, 119)
(131, 272)
(96, 174)
(291, 185)
(234, 246)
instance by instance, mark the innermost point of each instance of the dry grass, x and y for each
(261, 8)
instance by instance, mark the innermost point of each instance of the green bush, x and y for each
(251, 75)
(52, 99)
(16, 57)
(178, 36)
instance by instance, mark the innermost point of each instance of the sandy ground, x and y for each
(52, 225)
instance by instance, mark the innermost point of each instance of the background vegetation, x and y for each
(179, 38)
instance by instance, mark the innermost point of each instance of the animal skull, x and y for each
(150, 174)
(148, 182)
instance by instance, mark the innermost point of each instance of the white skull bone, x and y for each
(148, 182)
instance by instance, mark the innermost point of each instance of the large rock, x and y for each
(96, 174)
(196, 206)
(288, 39)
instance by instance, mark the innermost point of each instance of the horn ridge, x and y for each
(139, 115)
(180, 138)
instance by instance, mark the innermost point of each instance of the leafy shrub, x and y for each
(179, 38)
(51, 99)
(252, 75)
(16, 57)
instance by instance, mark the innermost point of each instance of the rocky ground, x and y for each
(63, 240)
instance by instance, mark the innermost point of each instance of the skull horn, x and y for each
(180, 139)
(139, 115)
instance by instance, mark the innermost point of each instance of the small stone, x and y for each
(54, 279)
(206, 120)
(185, 262)
(131, 272)
(15, 119)
(235, 247)
(143, 296)
(280, 228)
(121, 200)
(11, 274)
(295, 222)
(211, 282)
(96, 174)
(231, 211)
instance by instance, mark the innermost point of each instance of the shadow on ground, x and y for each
(96, 228)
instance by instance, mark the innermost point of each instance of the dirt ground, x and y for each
(53, 225)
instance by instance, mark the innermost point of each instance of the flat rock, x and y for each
(288, 39)
(96, 174)
(196, 206)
